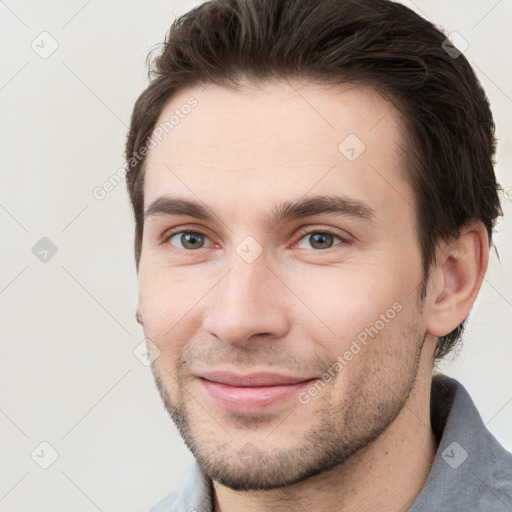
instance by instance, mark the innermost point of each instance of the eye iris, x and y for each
(189, 240)
(321, 238)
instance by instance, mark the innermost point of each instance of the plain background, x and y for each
(68, 374)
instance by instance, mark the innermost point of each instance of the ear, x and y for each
(457, 278)
(138, 316)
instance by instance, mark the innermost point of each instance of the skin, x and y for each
(364, 441)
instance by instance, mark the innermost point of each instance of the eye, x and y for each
(190, 240)
(194, 240)
(319, 239)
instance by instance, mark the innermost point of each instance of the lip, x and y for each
(252, 379)
(253, 393)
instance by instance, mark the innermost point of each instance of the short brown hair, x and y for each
(449, 136)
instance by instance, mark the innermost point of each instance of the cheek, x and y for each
(163, 293)
(164, 303)
(346, 300)
(345, 305)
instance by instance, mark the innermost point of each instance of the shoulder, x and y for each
(193, 495)
(493, 472)
(167, 504)
(472, 471)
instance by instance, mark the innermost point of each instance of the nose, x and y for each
(249, 302)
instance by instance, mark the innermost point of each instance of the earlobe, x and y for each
(461, 268)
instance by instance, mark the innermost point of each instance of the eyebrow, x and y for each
(313, 205)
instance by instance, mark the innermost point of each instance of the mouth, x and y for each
(252, 393)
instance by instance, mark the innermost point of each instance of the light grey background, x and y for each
(68, 375)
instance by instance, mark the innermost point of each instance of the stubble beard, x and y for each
(340, 428)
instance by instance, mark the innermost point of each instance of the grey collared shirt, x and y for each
(471, 470)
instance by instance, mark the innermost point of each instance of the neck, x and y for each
(387, 475)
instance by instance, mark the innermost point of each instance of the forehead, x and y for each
(278, 139)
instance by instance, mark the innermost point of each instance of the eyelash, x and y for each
(302, 234)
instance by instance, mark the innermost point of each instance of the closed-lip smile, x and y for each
(250, 393)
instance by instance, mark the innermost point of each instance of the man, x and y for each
(314, 199)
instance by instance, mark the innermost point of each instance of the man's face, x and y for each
(329, 298)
